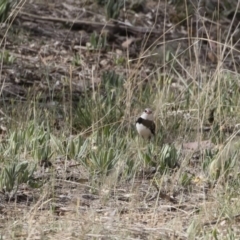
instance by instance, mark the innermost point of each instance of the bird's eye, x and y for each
(145, 110)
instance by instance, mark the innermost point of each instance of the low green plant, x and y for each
(168, 158)
(13, 144)
(185, 179)
(148, 156)
(40, 146)
(208, 156)
(98, 41)
(76, 148)
(131, 166)
(76, 60)
(103, 161)
(42, 151)
(6, 57)
(218, 165)
(104, 152)
(15, 174)
(5, 8)
(121, 61)
(164, 159)
(113, 8)
(33, 139)
(103, 106)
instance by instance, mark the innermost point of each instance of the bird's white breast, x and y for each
(143, 131)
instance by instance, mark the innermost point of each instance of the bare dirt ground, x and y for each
(45, 39)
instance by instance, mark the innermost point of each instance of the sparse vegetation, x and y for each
(6, 57)
(98, 42)
(15, 175)
(71, 163)
(5, 8)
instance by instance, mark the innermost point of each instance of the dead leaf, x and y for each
(128, 42)
(119, 52)
(104, 62)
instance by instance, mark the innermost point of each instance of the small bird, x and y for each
(145, 125)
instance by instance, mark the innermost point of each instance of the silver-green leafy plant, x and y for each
(5, 8)
(103, 106)
(15, 174)
(41, 147)
(164, 159)
(33, 139)
(6, 57)
(104, 152)
(221, 165)
(98, 41)
(186, 179)
(76, 148)
(113, 8)
(168, 158)
(76, 61)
